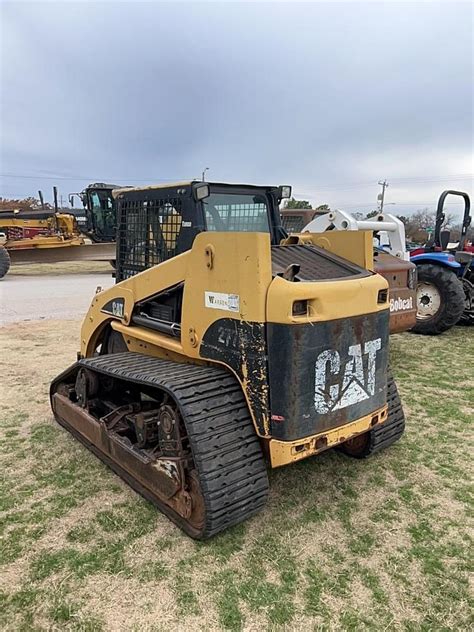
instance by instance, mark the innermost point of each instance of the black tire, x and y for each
(4, 261)
(467, 317)
(114, 342)
(383, 436)
(450, 292)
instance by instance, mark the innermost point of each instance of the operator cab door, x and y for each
(103, 221)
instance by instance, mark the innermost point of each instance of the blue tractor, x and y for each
(445, 291)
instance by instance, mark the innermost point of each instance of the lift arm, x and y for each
(383, 222)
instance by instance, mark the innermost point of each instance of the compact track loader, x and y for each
(224, 346)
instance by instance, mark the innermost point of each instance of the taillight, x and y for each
(300, 308)
(382, 296)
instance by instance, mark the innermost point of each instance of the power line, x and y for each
(427, 203)
(347, 186)
(316, 187)
(89, 178)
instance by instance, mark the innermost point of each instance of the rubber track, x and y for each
(389, 432)
(225, 447)
(383, 436)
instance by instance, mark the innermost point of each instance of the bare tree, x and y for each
(25, 204)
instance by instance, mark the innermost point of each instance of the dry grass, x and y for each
(382, 544)
(64, 267)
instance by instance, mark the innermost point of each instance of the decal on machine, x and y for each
(115, 307)
(340, 384)
(220, 300)
(401, 304)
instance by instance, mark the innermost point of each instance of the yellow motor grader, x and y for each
(34, 230)
(225, 347)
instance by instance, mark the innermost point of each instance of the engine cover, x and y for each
(323, 375)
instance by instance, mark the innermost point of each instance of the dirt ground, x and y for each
(65, 267)
(382, 544)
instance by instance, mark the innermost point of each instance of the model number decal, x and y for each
(338, 385)
(220, 300)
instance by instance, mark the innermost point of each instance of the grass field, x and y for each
(383, 544)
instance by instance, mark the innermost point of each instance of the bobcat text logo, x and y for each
(399, 304)
(338, 385)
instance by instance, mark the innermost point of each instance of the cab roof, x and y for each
(186, 183)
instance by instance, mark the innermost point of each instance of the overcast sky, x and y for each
(327, 97)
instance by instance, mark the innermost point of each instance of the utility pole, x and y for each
(204, 174)
(381, 196)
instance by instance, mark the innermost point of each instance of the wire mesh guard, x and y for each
(292, 223)
(148, 232)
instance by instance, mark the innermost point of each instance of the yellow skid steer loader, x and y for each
(222, 348)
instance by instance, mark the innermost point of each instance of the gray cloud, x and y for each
(318, 95)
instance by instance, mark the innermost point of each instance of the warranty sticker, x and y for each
(219, 300)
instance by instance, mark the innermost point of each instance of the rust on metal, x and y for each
(284, 452)
(401, 277)
(161, 479)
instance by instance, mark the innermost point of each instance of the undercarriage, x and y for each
(189, 448)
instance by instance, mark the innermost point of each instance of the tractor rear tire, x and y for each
(4, 261)
(382, 436)
(467, 317)
(448, 290)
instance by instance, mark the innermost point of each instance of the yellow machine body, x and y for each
(240, 265)
(224, 346)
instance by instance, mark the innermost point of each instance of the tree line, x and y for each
(418, 226)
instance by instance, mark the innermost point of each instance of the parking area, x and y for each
(34, 297)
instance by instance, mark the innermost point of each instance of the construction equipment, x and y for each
(4, 256)
(394, 265)
(85, 252)
(98, 218)
(445, 272)
(39, 229)
(224, 343)
(45, 235)
(445, 275)
(36, 230)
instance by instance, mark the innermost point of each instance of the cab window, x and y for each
(228, 212)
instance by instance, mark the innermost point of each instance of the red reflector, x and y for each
(277, 418)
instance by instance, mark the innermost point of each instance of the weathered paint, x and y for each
(325, 375)
(285, 452)
(242, 347)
